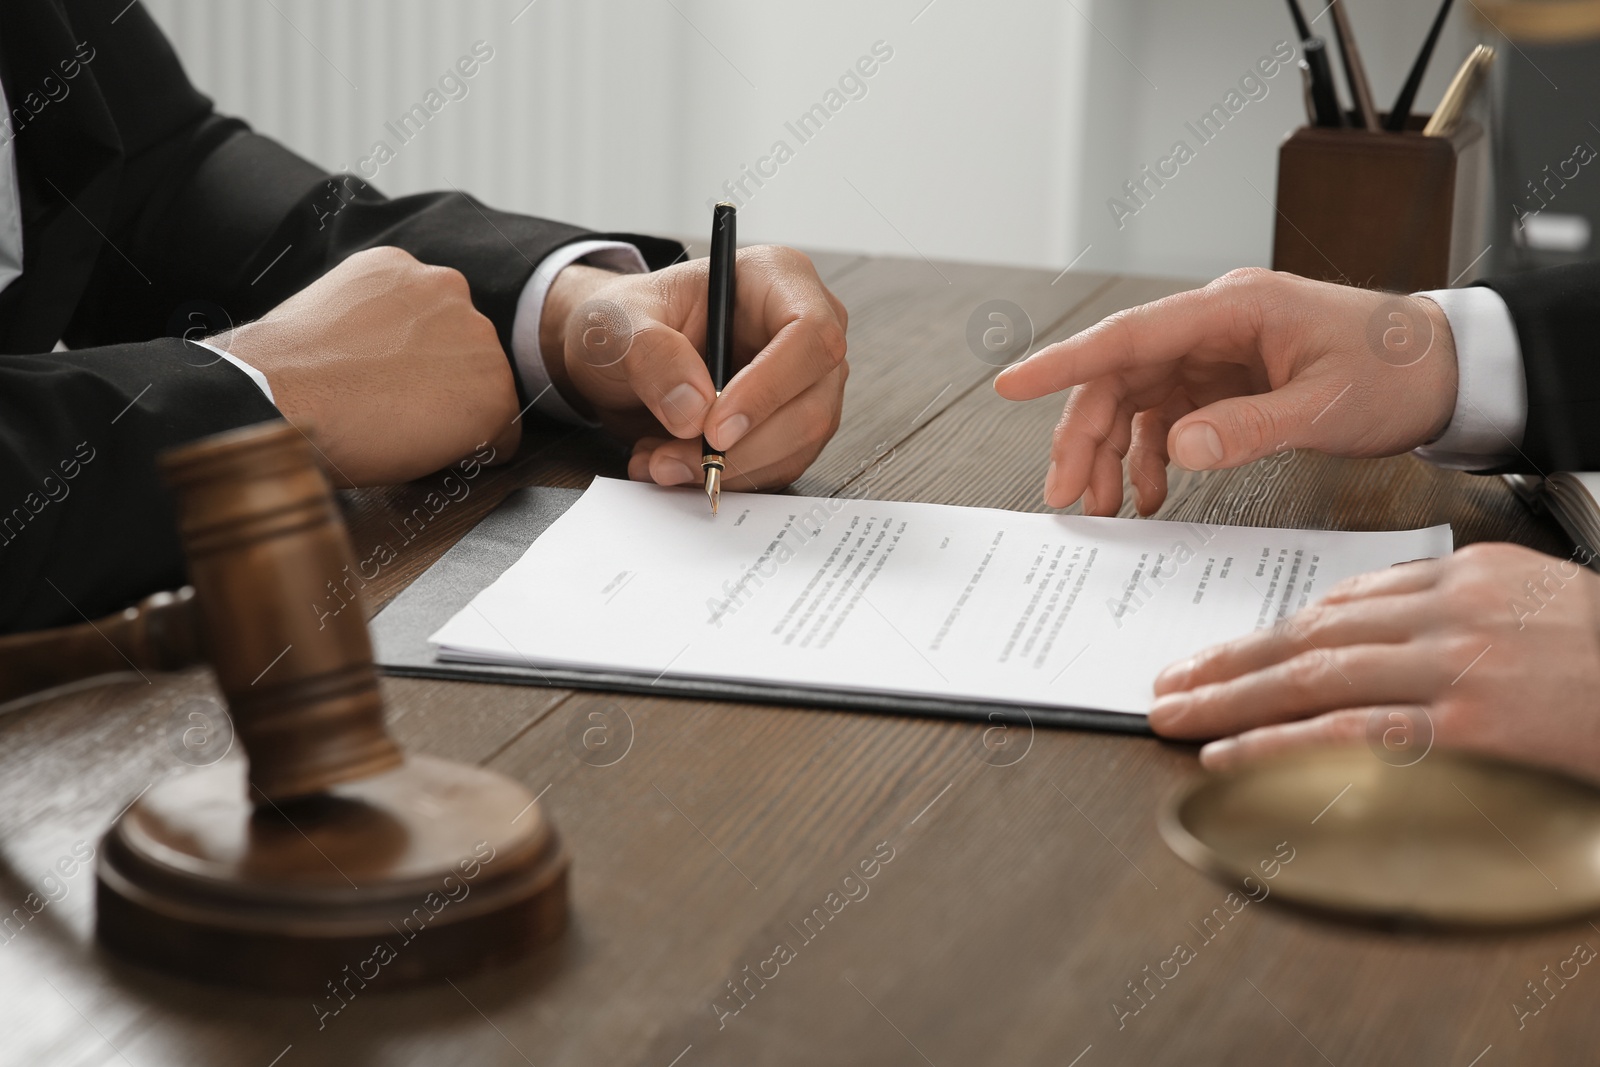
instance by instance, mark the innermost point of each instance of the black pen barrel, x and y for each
(1299, 17)
(1401, 111)
(1324, 97)
(719, 304)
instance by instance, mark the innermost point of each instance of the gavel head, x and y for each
(265, 545)
(256, 882)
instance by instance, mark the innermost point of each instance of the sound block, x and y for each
(428, 870)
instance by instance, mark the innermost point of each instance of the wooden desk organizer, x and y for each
(1396, 211)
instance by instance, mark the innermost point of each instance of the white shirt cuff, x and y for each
(619, 256)
(1491, 393)
(254, 375)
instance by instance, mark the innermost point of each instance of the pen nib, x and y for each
(714, 486)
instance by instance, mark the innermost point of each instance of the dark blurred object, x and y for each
(1355, 71)
(1401, 111)
(160, 633)
(1546, 209)
(1324, 98)
(1386, 833)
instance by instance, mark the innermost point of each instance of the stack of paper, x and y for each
(896, 598)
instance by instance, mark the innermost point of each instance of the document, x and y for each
(872, 596)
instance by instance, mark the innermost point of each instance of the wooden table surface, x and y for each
(1022, 896)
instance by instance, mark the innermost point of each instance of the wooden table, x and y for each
(1020, 899)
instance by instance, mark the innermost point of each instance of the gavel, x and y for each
(327, 857)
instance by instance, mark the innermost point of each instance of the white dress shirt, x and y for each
(613, 255)
(1491, 393)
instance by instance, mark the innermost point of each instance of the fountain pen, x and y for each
(719, 331)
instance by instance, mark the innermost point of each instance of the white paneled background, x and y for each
(996, 132)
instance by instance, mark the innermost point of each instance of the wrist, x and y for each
(1441, 367)
(570, 290)
(270, 345)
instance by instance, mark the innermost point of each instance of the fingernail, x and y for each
(732, 428)
(1198, 447)
(1219, 755)
(1168, 711)
(686, 404)
(1174, 675)
(672, 472)
(1088, 501)
(1050, 485)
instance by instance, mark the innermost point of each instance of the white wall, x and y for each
(1216, 213)
(996, 132)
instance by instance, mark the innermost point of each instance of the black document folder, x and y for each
(400, 637)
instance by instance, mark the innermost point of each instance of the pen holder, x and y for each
(1396, 211)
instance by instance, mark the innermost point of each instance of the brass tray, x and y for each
(1453, 840)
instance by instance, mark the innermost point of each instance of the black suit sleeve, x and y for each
(209, 211)
(88, 525)
(1557, 317)
(207, 222)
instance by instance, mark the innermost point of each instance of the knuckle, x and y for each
(1477, 552)
(387, 255)
(821, 421)
(1311, 622)
(1459, 719)
(831, 342)
(487, 335)
(831, 425)
(1347, 587)
(783, 254)
(1493, 553)
(1249, 292)
(449, 279)
(1475, 592)
(1459, 649)
(1251, 424)
(1482, 573)
(646, 341)
(1118, 322)
(1246, 278)
(1306, 675)
(1118, 332)
(1343, 729)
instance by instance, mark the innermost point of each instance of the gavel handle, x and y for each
(160, 633)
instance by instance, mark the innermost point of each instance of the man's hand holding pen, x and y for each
(626, 350)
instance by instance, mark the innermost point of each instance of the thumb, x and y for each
(669, 376)
(1242, 429)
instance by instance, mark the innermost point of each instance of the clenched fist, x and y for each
(387, 366)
